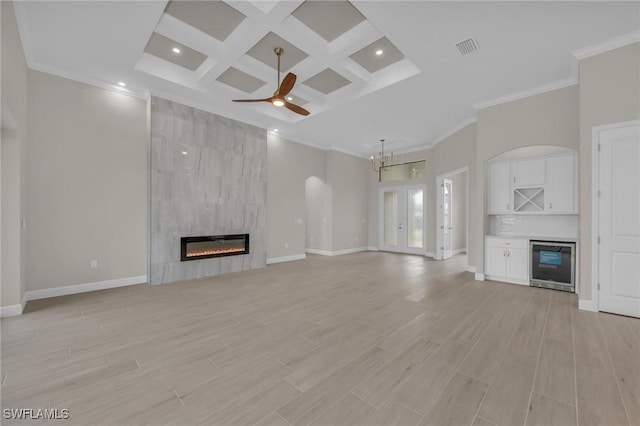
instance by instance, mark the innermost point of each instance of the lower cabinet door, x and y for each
(496, 262)
(518, 264)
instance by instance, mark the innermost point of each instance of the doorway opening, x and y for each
(452, 222)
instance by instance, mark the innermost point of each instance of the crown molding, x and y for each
(538, 90)
(612, 44)
(454, 130)
(142, 94)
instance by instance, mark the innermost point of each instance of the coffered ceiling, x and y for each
(366, 69)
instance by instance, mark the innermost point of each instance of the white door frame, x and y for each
(440, 214)
(595, 213)
(399, 188)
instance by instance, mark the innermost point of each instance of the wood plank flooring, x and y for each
(362, 339)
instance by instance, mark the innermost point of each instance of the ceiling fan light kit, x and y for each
(279, 96)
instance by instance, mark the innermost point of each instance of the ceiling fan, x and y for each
(279, 96)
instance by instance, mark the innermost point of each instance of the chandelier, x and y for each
(382, 163)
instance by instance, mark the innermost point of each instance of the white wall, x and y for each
(13, 147)
(87, 173)
(609, 93)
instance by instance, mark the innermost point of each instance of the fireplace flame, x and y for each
(214, 251)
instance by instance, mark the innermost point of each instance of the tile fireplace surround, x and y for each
(208, 177)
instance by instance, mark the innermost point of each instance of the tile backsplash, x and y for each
(564, 226)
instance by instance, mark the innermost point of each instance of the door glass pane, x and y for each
(391, 218)
(415, 222)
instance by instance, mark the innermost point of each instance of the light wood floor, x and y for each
(362, 339)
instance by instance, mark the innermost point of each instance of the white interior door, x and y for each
(402, 219)
(447, 222)
(619, 220)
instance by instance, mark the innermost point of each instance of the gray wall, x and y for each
(218, 187)
(459, 211)
(87, 197)
(13, 161)
(550, 118)
(453, 153)
(290, 164)
(318, 198)
(348, 178)
(609, 93)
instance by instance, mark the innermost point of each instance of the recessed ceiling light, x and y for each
(184, 152)
(275, 130)
(289, 98)
(379, 52)
(121, 83)
(176, 50)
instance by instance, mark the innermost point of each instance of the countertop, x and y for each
(537, 238)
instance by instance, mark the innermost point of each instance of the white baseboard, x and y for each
(286, 258)
(430, 254)
(83, 288)
(349, 251)
(372, 248)
(478, 276)
(320, 252)
(471, 269)
(458, 251)
(507, 280)
(338, 252)
(586, 305)
(10, 311)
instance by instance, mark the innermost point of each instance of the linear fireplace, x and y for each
(193, 248)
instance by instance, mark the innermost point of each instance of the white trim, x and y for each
(372, 248)
(439, 218)
(478, 276)
(24, 301)
(338, 252)
(586, 305)
(458, 251)
(83, 288)
(538, 90)
(594, 303)
(320, 252)
(10, 311)
(611, 44)
(507, 280)
(348, 251)
(454, 130)
(471, 269)
(428, 254)
(286, 258)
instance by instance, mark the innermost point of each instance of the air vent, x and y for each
(467, 46)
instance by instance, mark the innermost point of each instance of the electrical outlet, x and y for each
(93, 264)
(357, 239)
(286, 245)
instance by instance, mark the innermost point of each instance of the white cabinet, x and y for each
(499, 189)
(561, 192)
(528, 172)
(545, 185)
(507, 259)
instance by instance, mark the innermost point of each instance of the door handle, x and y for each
(400, 226)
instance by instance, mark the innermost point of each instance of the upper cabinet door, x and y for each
(499, 190)
(561, 186)
(528, 172)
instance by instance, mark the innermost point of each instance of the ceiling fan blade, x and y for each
(287, 84)
(252, 100)
(297, 109)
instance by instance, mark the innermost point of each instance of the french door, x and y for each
(401, 224)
